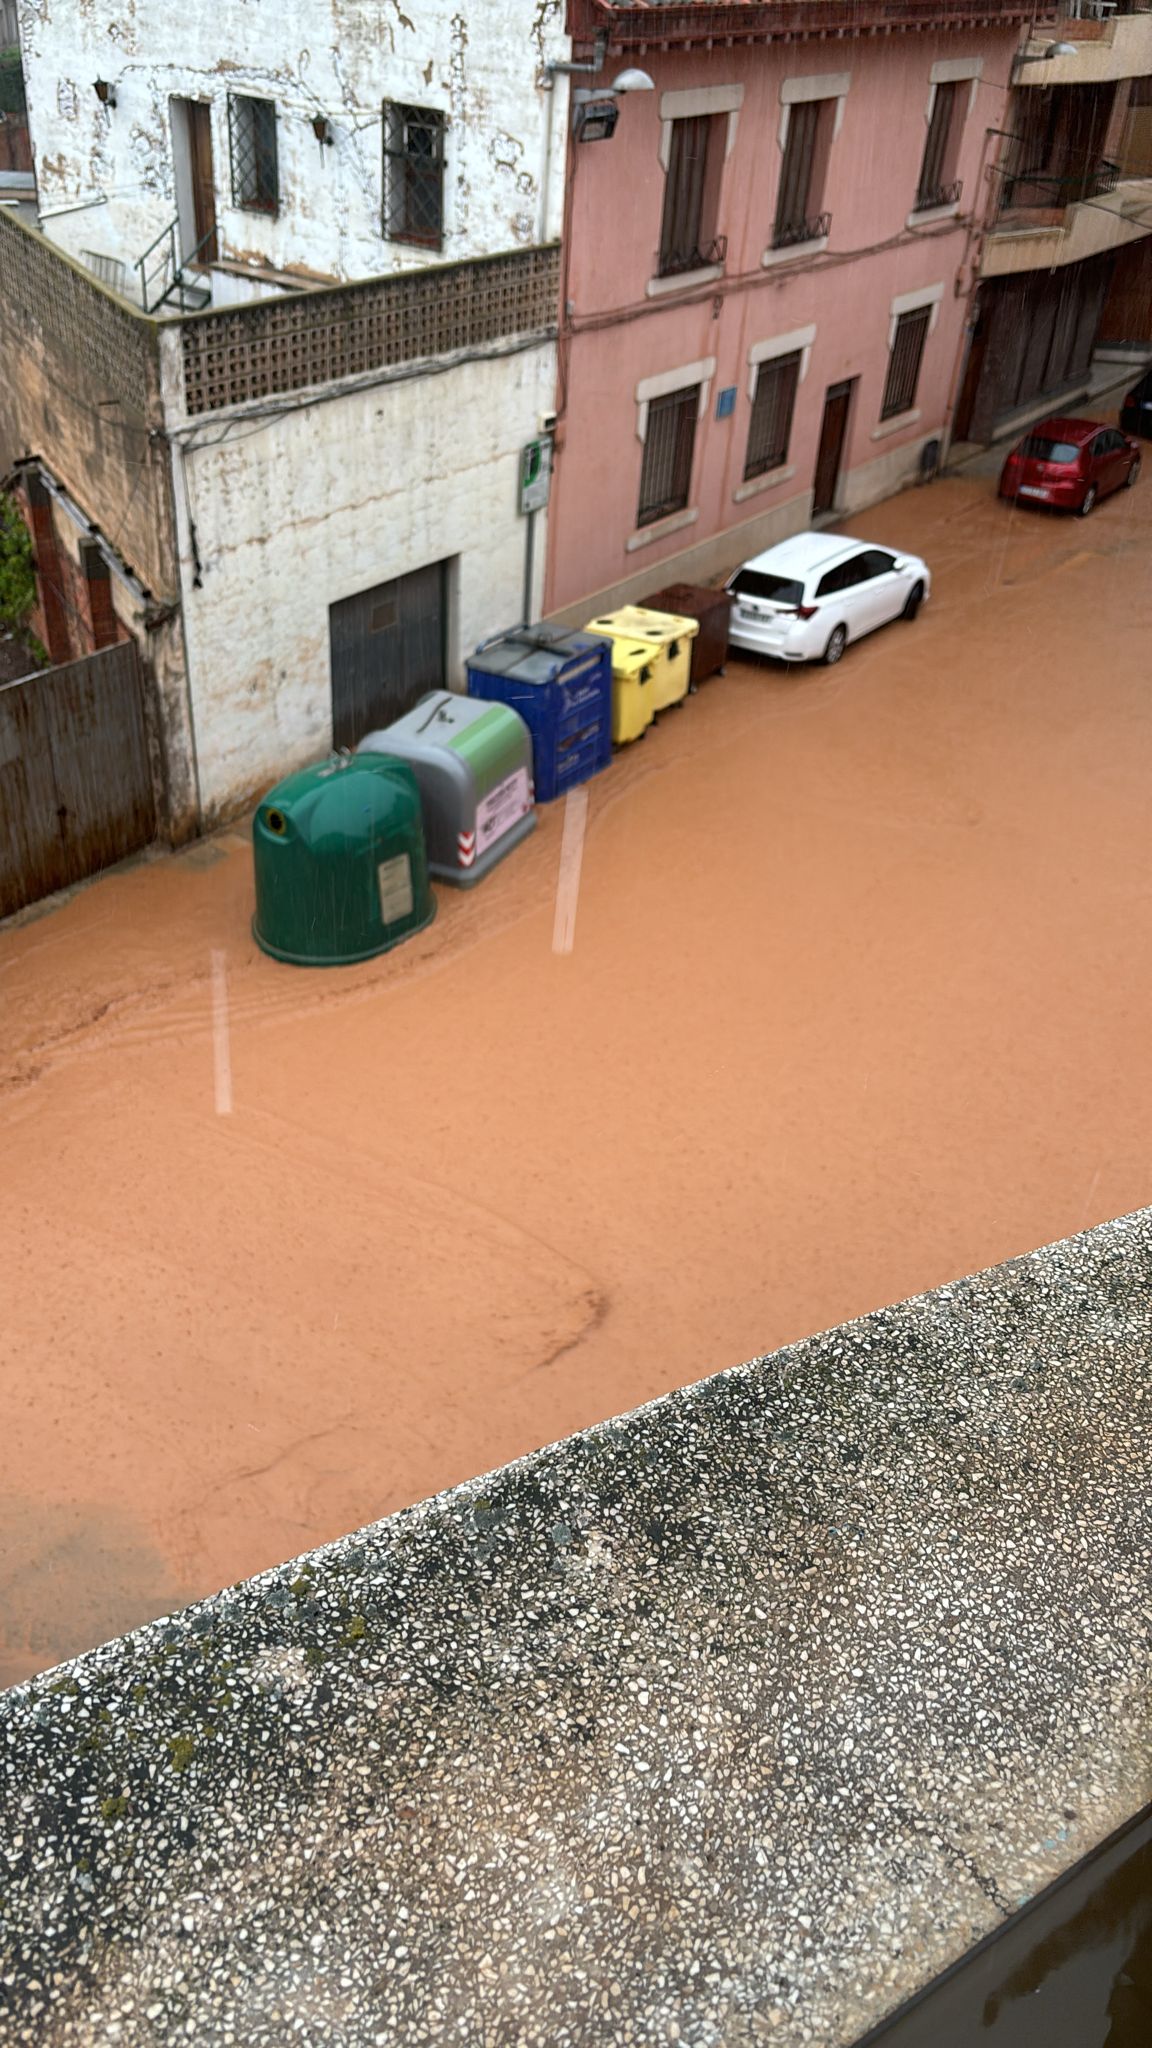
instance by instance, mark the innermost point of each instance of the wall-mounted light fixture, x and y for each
(1048, 56)
(595, 114)
(105, 92)
(323, 130)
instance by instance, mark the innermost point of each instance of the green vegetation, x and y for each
(17, 576)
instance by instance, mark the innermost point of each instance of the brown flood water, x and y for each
(858, 1001)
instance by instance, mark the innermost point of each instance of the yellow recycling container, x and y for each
(633, 687)
(668, 639)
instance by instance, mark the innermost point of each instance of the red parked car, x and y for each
(1070, 464)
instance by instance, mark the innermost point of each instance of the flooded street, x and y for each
(857, 1001)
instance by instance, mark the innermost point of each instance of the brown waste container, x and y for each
(712, 609)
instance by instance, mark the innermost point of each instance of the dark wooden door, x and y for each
(203, 180)
(387, 648)
(837, 400)
(75, 779)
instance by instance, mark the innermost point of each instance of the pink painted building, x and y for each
(770, 270)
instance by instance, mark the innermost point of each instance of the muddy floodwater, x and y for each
(858, 1000)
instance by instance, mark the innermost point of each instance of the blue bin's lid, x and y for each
(533, 654)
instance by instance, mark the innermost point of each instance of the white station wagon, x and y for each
(807, 598)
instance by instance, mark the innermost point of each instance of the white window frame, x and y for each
(690, 104)
(667, 381)
(908, 302)
(798, 342)
(914, 302)
(817, 85)
(662, 385)
(814, 85)
(706, 100)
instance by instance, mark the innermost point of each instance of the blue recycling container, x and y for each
(561, 685)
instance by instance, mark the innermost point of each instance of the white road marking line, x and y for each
(221, 1039)
(568, 880)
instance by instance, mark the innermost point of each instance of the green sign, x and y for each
(536, 474)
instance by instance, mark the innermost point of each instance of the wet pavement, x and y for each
(857, 1001)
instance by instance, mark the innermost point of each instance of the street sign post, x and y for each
(536, 474)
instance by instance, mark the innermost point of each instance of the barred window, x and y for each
(414, 175)
(255, 167)
(904, 362)
(666, 472)
(771, 427)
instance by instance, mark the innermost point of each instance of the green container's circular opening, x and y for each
(276, 822)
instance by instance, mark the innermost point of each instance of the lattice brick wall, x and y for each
(113, 347)
(276, 345)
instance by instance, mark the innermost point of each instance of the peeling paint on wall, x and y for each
(341, 59)
(258, 630)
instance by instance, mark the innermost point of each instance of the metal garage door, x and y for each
(387, 649)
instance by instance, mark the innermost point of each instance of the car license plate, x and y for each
(746, 613)
(1033, 491)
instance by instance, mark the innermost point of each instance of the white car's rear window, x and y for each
(760, 583)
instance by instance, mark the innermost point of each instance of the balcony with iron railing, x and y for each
(1051, 218)
(681, 260)
(931, 198)
(1026, 193)
(797, 233)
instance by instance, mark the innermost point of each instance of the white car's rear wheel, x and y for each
(837, 642)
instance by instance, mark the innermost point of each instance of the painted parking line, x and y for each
(568, 880)
(221, 1035)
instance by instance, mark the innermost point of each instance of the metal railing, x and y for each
(1042, 192)
(938, 195)
(790, 234)
(166, 275)
(702, 256)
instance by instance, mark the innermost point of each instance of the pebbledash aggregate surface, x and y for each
(729, 1722)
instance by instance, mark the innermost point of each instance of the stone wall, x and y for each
(735, 1720)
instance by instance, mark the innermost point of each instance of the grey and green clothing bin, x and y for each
(473, 765)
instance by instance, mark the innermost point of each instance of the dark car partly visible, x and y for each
(1069, 464)
(1136, 411)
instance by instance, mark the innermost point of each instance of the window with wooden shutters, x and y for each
(255, 166)
(771, 427)
(414, 175)
(904, 362)
(666, 472)
(935, 188)
(686, 240)
(798, 215)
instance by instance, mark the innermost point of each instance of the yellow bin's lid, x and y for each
(630, 658)
(632, 622)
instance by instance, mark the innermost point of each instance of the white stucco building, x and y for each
(329, 235)
(329, 141)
